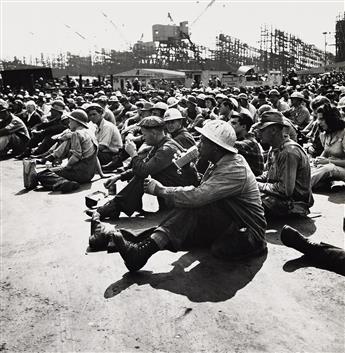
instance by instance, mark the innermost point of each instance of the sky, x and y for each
(48, 26)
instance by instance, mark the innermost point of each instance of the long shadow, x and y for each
(198, 276)
(304, 262)
(22, 192)
(306, 225)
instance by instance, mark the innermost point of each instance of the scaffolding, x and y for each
(340, 38)
(283, 51)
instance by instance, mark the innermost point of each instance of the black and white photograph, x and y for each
(172, 176)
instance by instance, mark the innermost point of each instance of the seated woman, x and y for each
(330, 165)
(82, 162)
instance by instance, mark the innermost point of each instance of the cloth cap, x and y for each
(271, 117)
(220, 132)
(94, 106)
(172, 114)
(58, 105)
(151, 122)
(79, 116)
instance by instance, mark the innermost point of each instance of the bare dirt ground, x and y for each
(56, 298)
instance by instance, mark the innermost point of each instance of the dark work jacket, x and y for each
(184, 138)
(34, 120)
(159, 165)
(52, 127)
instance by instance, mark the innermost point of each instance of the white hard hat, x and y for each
(220, 132)
(160, 105)
(341, 103)
(297, 95)
(172, 102)
(172, 114)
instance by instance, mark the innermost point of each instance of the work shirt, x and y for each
(83, 143)
(250, 149)
(333, 144)
(109, 115)
(15, 126)
(108, 135)
(288, 174)
(232, 181)
(300, 116)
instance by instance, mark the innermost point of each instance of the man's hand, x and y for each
(153, 187)
(131, 148)
(110, 182)
(321, 161)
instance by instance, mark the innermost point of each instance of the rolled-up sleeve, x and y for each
(76, 146)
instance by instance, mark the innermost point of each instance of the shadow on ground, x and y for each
(197, 275)
(304, 262)
(305, 225)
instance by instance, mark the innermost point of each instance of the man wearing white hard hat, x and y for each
(223, 213)
(174, 126)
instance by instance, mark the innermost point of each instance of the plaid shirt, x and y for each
(251, 150)
(288, 174)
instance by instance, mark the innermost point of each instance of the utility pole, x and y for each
(325, 34)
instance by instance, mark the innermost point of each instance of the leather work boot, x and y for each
(100, 235)
(294, 239)
(135, 255)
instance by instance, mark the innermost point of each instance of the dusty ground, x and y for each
(57, 298)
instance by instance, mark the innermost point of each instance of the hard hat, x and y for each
(220, 132)
(298, 95)
(160, 105)
(79, 116)
(172, 114)
(172, 102)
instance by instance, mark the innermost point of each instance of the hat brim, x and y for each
(175, 118)
(212, 138)
(261, 126)
(78, 121)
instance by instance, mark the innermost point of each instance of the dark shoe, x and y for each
(135, 255)
(100, 236)
(25, 154)
(294, 239)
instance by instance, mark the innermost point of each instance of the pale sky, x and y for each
(31, 27)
